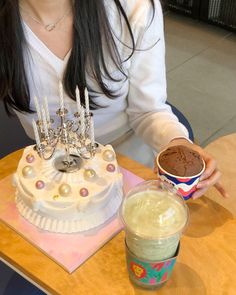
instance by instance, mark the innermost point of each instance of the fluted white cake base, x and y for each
(92, 220)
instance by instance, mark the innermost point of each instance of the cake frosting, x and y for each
(68, 202)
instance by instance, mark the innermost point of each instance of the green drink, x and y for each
(154, 219)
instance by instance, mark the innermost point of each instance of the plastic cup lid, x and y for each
(154, 214)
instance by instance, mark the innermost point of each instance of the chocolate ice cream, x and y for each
(181, 161)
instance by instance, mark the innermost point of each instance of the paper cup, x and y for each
(185, 186)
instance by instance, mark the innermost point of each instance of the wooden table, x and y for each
(207, 260)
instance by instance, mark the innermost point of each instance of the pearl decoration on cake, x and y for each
(84, 192)
(30, 158)
(89, 174)
(28, 172)
(111, 168)
(108, 155)
(64, 190)
(40, 184)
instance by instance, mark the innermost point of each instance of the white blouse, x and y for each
(141, 98)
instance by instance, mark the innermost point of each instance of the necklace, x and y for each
(48, 27)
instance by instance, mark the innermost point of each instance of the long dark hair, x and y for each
(91, 30)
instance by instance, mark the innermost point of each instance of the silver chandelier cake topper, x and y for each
(75, 136)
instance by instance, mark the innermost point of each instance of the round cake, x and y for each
(68, 202)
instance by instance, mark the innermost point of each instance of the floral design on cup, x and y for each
(150, 273)
(138, 270)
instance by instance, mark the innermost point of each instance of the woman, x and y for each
(115, 49)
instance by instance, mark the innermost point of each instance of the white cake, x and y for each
(68, 202)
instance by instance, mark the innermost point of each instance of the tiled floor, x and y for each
(201, 74)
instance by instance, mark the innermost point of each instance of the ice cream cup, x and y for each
(185, 186)
(154, 219)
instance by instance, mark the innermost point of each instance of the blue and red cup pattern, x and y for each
(184, 186)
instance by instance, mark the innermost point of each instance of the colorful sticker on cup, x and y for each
(185, 186)
(151, 273)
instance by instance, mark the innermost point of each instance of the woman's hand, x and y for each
(211, 176)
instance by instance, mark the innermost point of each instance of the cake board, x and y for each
(72, 249)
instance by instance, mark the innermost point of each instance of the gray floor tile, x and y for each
(186, 38)
(206, 112)
(229, 128)
(212, 72)
(204, 88)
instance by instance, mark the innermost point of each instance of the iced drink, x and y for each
(154, 220)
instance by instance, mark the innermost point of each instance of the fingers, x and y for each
(155, 169)
(199, 193)
(210, 177)
(221, 189)
(211, 166)
(210, 181)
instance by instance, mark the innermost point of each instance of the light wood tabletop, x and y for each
(207, 260)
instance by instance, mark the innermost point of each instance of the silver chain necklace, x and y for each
(48, 27)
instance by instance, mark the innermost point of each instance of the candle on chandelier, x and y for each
(82, 122)
(36, 133)
(61, 96)
(77, 94)
(36, 102)
(45, 124)
(46, 109)
(92, 131)
(86, 95)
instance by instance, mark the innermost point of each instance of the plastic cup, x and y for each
(185, 186)
(154, 219)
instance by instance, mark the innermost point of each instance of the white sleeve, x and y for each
(148, 113)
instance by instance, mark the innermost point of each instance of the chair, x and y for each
(12, 283)
(183, 120)
(12, 134)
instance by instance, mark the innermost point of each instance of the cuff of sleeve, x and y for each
(182, 137)
(175, 130)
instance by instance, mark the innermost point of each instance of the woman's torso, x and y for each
(44, 70)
